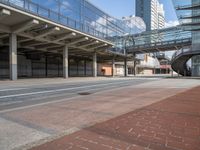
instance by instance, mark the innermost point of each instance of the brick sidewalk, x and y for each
(172, 124)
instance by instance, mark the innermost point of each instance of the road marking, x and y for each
(15, 89)
(9, 103)
(58, 90)
(79, 96)
(57, 101)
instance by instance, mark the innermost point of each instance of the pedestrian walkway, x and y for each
(171, 124)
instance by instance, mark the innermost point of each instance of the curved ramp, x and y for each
(179, 62)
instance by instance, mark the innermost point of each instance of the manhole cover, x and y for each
(84, 93)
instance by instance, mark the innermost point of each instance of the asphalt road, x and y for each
(18, 97)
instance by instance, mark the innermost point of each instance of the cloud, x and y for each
(171, 23)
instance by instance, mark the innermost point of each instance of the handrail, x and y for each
(187, 6)
(180, 52)
(36, 9)
(151, 44)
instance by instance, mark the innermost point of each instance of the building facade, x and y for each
(152, 12)
(58, 38)
(188, 15)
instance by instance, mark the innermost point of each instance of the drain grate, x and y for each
(84, 93)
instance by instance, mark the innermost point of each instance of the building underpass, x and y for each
(37, 42)
(168, 39)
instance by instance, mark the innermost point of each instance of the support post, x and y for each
(65, 62)
(13, 56)
(134, 68)
(178, 73)
(85, 67)
(172, 73)
(95, 64)
(46, 66)
(113, 67)
(185, 74)
(125, 67)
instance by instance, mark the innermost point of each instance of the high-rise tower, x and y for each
(152, 12)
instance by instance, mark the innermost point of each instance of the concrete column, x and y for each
(125, 67)
(178, 73)
(185, 72)
(13, 56)
(85, 67)
(95, 64)
(113, 67)
(134, 68)
(172, 73)
(65, 62)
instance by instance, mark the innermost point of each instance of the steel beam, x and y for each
(24, 26)
(64, 36)
(88, 44)
(47, 32)
(78, 41)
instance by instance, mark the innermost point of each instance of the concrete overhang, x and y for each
(25, 16)
(4, 13)
(36, 32)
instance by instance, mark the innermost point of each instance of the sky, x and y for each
(120, 8)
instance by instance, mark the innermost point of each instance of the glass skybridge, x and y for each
(166, 39)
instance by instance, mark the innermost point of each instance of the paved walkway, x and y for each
(171, 124)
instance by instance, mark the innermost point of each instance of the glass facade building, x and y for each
(152, 12)
(83, 16)
(188, 12)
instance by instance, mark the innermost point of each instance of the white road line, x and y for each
(15, 89)
(58, 90)
(8, 103)
(57, 101)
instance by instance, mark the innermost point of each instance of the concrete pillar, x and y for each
(125, 67)
(172, 73)
(13, 56)
(178, 73)
(95, 64)
(46, 66)
(65, 62)
(134, 68)
(185, 74)
(85, 67)
(113, 67)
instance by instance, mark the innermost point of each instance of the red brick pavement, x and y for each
(172, 124)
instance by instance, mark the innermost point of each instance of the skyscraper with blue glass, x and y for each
(152, 12)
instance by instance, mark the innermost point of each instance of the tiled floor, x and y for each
(171, 124)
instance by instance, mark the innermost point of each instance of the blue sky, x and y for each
(120, 8)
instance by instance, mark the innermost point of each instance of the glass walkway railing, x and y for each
(36, 9)
(188, 7)
(158, 37)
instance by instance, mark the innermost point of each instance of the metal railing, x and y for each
(189, 6)
(46, 13)
(156, 44)
(181, 52)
